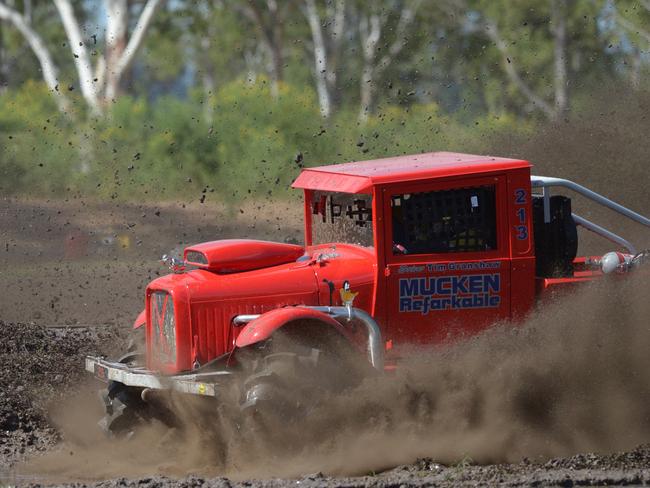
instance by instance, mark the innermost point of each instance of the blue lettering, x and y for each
(408, 288)
(405, 305)
(493, 283)
(476, 283)
(444, 290)
(459, 285)
(424, 294)
(427, 286)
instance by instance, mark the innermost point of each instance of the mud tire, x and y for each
(281, 385)
(288, 380)
(124, 408)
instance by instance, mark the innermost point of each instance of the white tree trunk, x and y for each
(111, 68)
(320, 58)
(80, 53)
(511, 70)
(370, 34)
(118, 57)
(271, 28)
(337, 33)
(38, 47)
(370, 40)
(134, 44)
(117, 20)
(558, 16)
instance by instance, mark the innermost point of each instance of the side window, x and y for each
(459, 220)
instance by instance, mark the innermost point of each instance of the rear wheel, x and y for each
(282, 384)
(276, 401)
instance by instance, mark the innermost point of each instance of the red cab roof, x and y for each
(361, 176)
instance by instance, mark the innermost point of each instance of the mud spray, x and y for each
(575, 377)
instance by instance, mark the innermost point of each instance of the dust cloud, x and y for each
(574, 377)
(602, 145)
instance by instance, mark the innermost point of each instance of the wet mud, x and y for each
(40, 369)
(516, 405)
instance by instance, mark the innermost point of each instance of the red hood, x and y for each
(237, 255)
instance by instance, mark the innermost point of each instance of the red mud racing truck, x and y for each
(421, 249)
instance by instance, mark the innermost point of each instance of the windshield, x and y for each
(342, 217)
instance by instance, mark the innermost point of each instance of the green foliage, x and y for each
(198, 114)
(152, 150)
(259, 136)
(242, 141)
(37, 152)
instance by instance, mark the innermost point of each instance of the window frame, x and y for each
(311, 218)
(502, 243)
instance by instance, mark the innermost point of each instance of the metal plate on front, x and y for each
(101, 372)
(204, 384)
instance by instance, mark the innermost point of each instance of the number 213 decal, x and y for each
(522, 229)
(520, 196)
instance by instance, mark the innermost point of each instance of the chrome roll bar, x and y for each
(607, 234)
(546, 182)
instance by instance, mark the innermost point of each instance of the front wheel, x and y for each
(124, 410)
(290, 378)
(124, 407)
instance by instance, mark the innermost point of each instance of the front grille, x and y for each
(163, 327)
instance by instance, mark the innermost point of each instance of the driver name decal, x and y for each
(436, 293)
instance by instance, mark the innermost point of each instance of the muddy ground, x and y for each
(518, 409)
(40, 367)
(41, 370)
(83, 262)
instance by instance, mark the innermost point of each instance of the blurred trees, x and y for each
(99, 81)
(518, 57)
(236, 95)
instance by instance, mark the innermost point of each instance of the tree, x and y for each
(326, 47)
(627, 29)
(372, 30)
(268, 19)
(49, 70)
(540, 47)
(99, 84)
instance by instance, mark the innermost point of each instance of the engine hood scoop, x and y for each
(237, 255)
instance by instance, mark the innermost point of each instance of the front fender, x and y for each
(265, 325)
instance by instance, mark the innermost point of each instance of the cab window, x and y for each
(342, 217)
(446, 221)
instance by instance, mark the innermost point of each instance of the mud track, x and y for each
(38, 368)
(585, 389)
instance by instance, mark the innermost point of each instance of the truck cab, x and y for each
(451, 234)
(458, 241)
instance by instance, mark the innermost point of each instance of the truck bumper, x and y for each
(203, 384)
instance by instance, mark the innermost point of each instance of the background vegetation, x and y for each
(229, 99)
